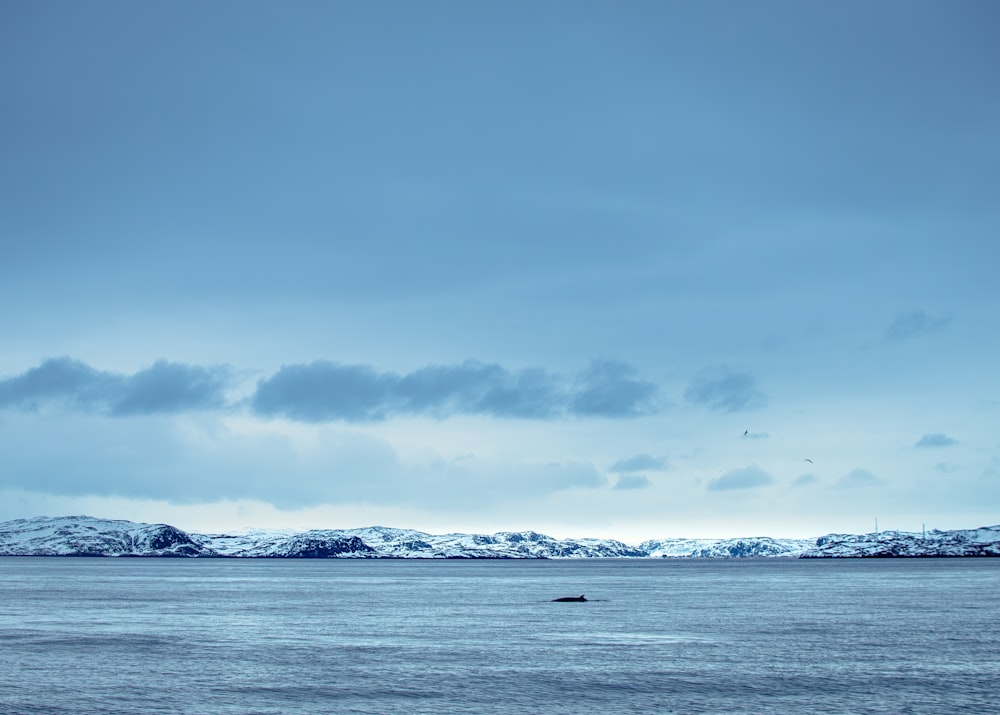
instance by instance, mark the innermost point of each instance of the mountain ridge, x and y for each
(90, 536)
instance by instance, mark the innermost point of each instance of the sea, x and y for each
(256, 636)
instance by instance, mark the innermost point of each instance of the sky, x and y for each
(597, 269)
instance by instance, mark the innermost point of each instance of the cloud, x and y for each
(632, 481)
(746, 478)
(163, 388)
(804, 480)
(324, 391)
(55, 379)
(725, 390)
(639, 463)
(609, 388)
(935, 440)
(858, 479)
(212, 457)
(477, 388)
(168, 387)
(914, 323)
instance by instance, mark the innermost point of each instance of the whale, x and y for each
(568, 599)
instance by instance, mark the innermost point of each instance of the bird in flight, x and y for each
(808, 460)
(746, 432)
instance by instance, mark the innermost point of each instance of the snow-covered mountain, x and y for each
(87, 536)
(964, 542)
(726, 548)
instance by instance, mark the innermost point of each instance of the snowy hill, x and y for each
(87, 536)
(726, 548)
(380, 541)
(964, 542)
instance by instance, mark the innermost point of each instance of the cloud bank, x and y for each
(746, 478)
(163, 388)
(936, 440)
(324, 391)
(639, 463)
(725, 390)
(632, 481)
(206, 460)
(804, 480)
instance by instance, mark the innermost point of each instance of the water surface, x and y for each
(81, 635)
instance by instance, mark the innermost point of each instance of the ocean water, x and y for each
(80, 635)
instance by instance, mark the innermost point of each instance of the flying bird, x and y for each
(746, 432)
(808, 460)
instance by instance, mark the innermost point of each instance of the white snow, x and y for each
(84, 535)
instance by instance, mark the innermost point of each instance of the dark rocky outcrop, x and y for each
(318, 548)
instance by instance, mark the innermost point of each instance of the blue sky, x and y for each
(591, 268)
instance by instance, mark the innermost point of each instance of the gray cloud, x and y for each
(914, 323)
(476, 388)
(55, 379)
(639, 463)
(609, 388)
(746, 478)
(169, 387)
(935, 440)
(858, 479)
(325, 391)
(632, 481)
(163, 388)
(725, 390)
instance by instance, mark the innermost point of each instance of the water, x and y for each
(340, 636)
